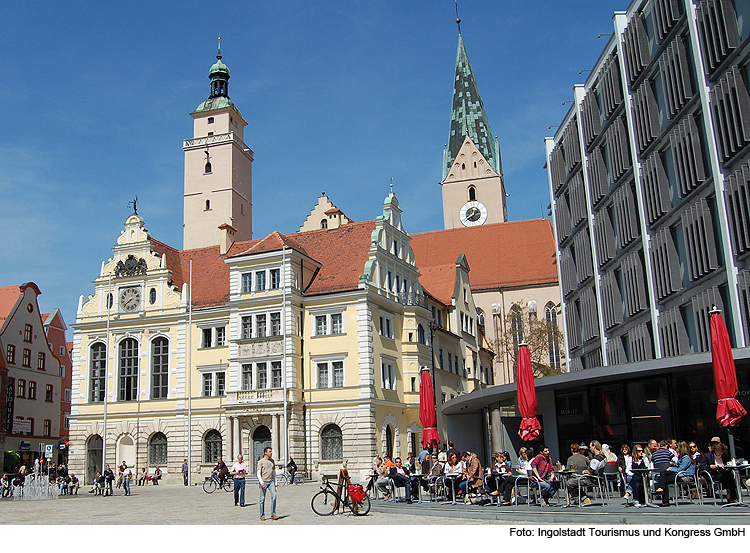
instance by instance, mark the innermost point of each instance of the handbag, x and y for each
(356, 492)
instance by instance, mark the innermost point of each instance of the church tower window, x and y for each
(208, 205)
(472, 194)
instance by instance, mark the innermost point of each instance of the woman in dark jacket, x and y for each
(714, 462)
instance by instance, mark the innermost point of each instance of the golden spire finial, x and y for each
(458, 19)
(218, 56)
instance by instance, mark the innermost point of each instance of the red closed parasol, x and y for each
(427, 415)
(729, 411)
(530, 427)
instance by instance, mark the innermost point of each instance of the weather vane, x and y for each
(134, 205)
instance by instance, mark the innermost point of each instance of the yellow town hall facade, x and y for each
(310, 342)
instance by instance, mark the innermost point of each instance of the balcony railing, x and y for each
(410, 298)
(191, 143)
(248, 397)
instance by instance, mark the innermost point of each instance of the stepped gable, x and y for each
(342, 252)
(518, 253)
(439, 282)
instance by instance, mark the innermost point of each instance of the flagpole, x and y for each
(189, 372)
(109, 301)
(284, 370)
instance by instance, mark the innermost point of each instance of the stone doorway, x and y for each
(261, 440)
(94, 448)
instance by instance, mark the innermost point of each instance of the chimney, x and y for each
(227, 237)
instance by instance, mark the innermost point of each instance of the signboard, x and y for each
(21, 426)
(24, 446)
(48, 451)
(9, 398)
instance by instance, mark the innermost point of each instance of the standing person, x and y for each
(120, 472)
(267, 481)
(452, 449)
(239, 471)
(291, 466)
(127, 476)
(109, 476)
(185, 472)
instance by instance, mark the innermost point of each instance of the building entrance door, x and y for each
(261, 440)
(93, 458)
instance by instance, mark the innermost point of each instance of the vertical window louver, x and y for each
(589, 314)
(615, 351)
(645, 115)
(593, 359)
(611, 301)
(730, 108)
(584, 259)
(738, 208)
(574, 325)
(626, 215)
(700, 242)
(604, 237)
(637, 51)
(665, 13)
(673, 334)
(557, 167)
(717, 30)
(598, 178)
(610, 87)
(702, 305)
(568, 273)
(674, 68)
(577, 195)
(657, 196)
(633, 284)
(571, 146)
(687, 153)
(575, 364)
(641, 347)
(618, 152)
(562, 219)
(743, 285)
(591, 119)
(666, 264)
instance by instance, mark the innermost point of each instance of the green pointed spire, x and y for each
(468, 117)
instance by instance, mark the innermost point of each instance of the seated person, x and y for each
(500, 469)
(714, 462)
(434, 470)
(576, 462)
(472, 480)
(100, 482)
(586, 478)
(669, 476)
(220, 470)
(544, 474)
(143, 478)
(640, 461)
(400, 475)
(453, 472)
(383, 482)
(156, 477)
(73, 485)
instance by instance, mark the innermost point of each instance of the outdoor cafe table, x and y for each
(646, 485)
(736, 473)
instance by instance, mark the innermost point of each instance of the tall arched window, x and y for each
(516, 327)
(98, 371)
(208, 167)
(389, 440)
(128, 370)
(208, 205)
(331, 443)
(420, 335)
(550, 314)
(157, 449)
(212, 446)
(472, 194)
(159, 368)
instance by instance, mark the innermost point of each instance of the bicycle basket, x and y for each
(356, 492)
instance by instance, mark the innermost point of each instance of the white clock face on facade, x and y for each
(473, 214)
(130, 298)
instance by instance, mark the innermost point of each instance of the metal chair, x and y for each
(714, 486)
(532, 490)
(612, 479)
(436, 487)
(687, 483)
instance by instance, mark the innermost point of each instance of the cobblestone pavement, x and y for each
(174, 504)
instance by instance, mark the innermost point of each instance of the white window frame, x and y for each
(328, 361)
(329, 315)
(215, 335)
(212, 371)
(388, 369)
(386, 326)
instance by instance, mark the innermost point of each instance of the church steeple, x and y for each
(468, 116)
(219, 75)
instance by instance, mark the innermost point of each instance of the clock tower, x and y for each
(218, 169)
(473, 186)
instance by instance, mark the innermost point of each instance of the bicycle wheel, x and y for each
(361, 508)
(323, 503)
(209, 486)
(228, 485)
(281, 479)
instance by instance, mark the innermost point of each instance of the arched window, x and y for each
(516, 326)
(157, 449)
(208, 205)
(480, 318)
(212, 446)
(110, 300)
(152, 296)
(208, 167)
(420, 335)
(553, 345)
(159, 368)
(331, 443)
(389, 440)
(128, 370)
(472, 193)
(324, 223)
(97, 372)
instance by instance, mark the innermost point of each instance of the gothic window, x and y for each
(157, 449)
(159, 368)
(550, 313)
(331, 443)
(97, 372)
(389, 440)
(128, 370)
(516, 327)
(211, 446)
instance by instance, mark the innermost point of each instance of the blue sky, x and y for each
(339, 96)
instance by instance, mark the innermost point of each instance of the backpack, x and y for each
(356, 492)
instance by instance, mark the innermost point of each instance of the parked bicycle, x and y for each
(327, 500)
(213, 482)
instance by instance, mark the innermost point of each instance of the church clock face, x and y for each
(473, 214)
(130, 298)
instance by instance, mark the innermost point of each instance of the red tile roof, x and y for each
(518, 253)
(439, 282)
(8, 298)
(274, 242)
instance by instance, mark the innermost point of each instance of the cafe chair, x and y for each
(685, 487)
(714, 487)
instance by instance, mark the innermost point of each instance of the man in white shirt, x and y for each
(127, 475)
(239, 470)
(266, 473)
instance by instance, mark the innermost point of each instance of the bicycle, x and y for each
(213, 482)
(327, 500)
(285, 477)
